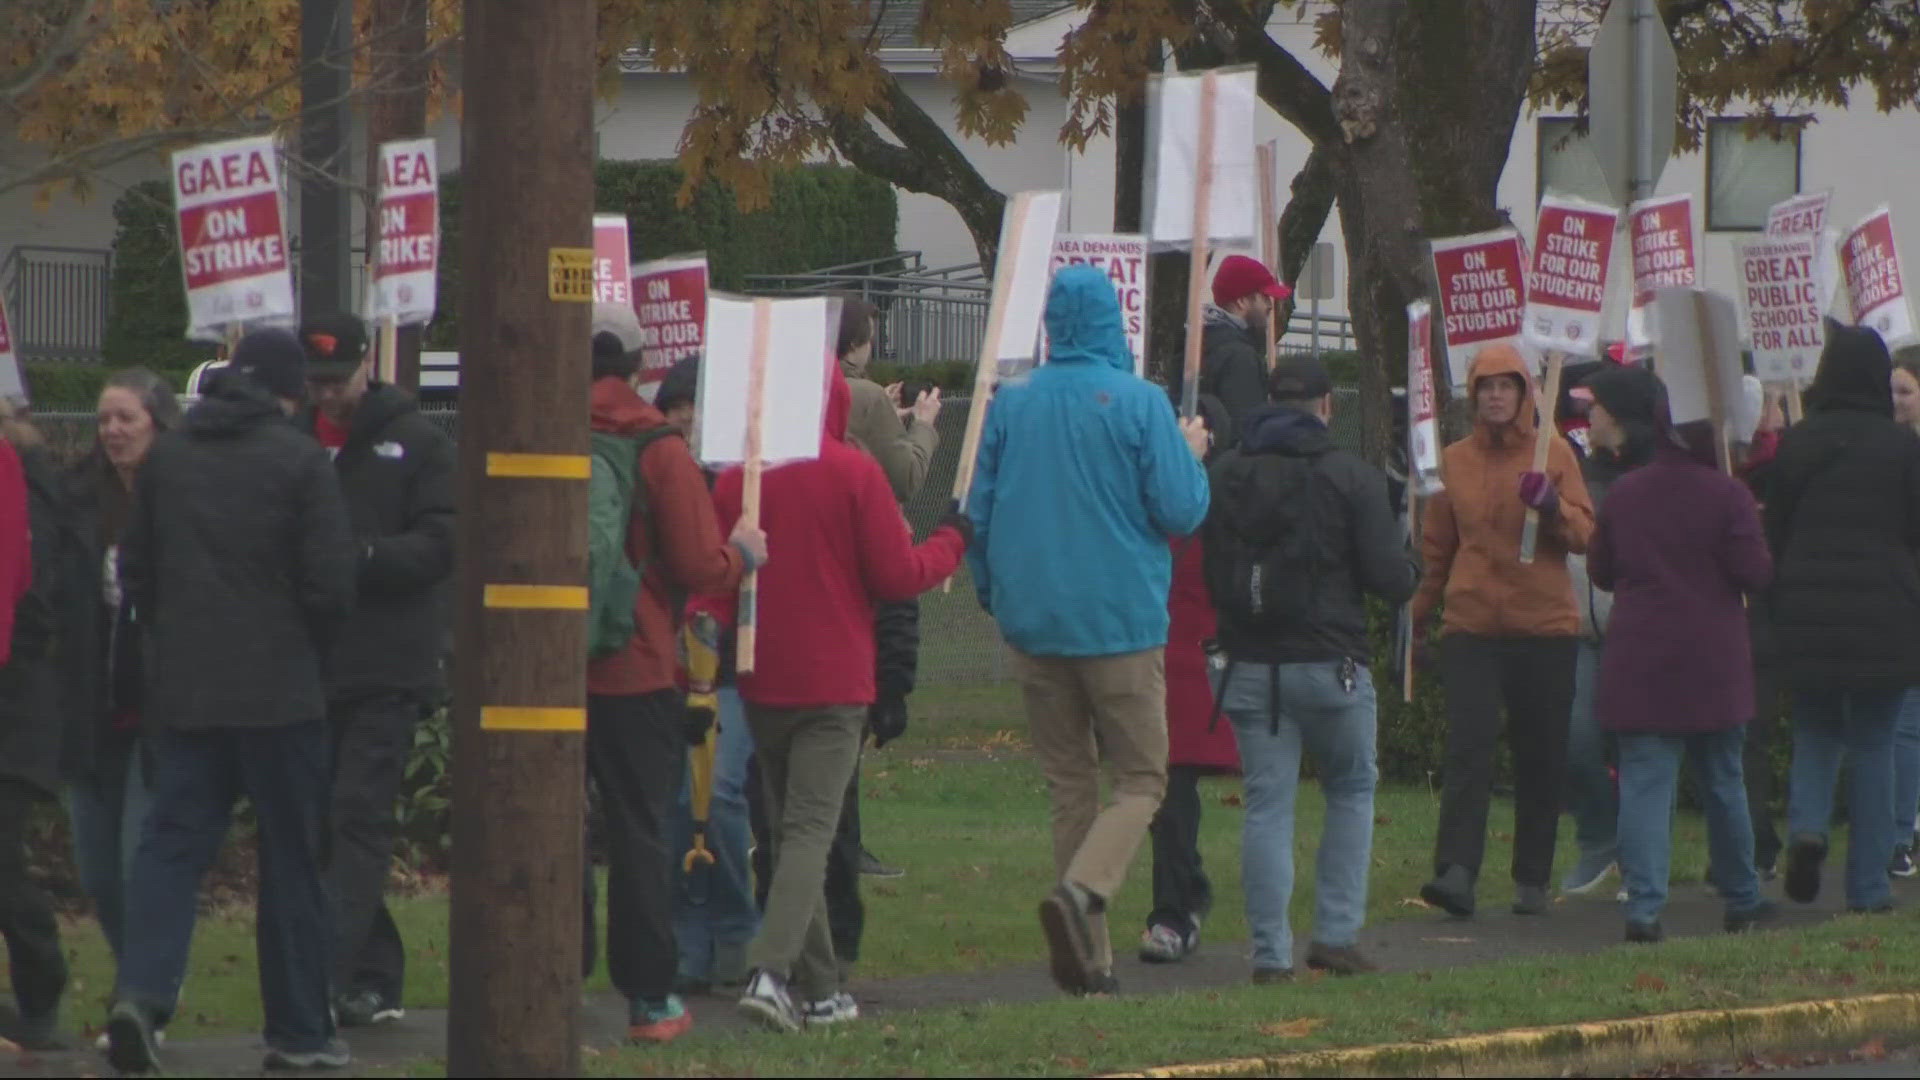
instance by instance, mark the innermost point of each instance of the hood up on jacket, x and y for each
(1855, 373)
(1491, 362)
(1285, 430)
(615, 407)
(1083, 320)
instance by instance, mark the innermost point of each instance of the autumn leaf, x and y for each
(1293, 1029)
(1650, 982)
(1231, 798)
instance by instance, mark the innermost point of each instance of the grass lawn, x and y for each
(961, 805)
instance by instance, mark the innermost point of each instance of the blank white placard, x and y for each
(1699, 340)
(1037, 217)
(794, 394)
(1173, 148)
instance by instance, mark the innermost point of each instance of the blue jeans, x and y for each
(106, 810)
(713, 906)
(1906, 767)
(197, 777)
(1337, 727)
(1649, 781)
(1830, 725)
(1591, 797)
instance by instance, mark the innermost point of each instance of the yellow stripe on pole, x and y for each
(540, 466)
(513, 718)
(536, 597)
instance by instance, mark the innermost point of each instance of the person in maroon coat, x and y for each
(1679, 545)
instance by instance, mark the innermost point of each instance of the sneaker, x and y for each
(1645, 933)
(130, 1044)
(365, 1008)
(1162, 944)
(1804, 856)
(1739, 922)
(1268, 976)
(872, 867)
(104, 1041)
(1902, 865)
(334, 1055)
(1592, 871)
(767, 1002)
(1063, 918)
(1451, 892)
(1339, 959)
(838, 1009)
(1103, 984)
(1531, 900)
(657, 1022)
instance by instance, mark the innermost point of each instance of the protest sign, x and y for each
(1781, 304)
(1423, 426)
(612, 283)
(1663, 257)
(1572, 247)
(1025, 268)
(1801, 215)
(1699, 356)
(801, 336)
(403, 287)
(1483, 294)
(1123, 258)
(233, 248)
(11, 382)
(670, 299)
(1176, 168)
(1871, 265)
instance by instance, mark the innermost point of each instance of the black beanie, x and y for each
(1630, 394)
(610, 357)
(681, 384)
(273, 360)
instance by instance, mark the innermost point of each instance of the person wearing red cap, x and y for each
(1233, 348)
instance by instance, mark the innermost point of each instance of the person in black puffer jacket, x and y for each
(1843, 518)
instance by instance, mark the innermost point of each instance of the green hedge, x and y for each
(147, 307)
(819, 215)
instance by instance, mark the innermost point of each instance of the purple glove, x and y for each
(1538, 492)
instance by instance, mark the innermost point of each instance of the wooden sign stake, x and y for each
(1197, 260)
(750, 481)
(1266, 154)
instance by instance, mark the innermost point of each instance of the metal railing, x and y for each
(56, 301)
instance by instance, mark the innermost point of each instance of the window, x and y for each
(1564, 164)
(1747, 172)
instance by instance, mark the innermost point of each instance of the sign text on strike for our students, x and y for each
(1481, 297)
(1662, 254)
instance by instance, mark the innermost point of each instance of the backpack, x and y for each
(614, 490)
(1263, 551)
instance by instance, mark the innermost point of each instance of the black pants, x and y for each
(1532, 678)
(1757, 764)
(637, 756)
(1181, 892)
(846, 914)
(26, 915)
(372, 741)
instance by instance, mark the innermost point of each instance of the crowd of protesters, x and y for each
(249, 599)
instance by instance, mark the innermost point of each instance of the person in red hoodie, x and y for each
(843, 547)
(636, 727)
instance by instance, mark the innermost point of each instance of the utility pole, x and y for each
(396, 109)
(520, 650)
(326, 211)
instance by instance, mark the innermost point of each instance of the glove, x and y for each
(961, 524)
(1538, 492)
(700, 652)
(887, 719)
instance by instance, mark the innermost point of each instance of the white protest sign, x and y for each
(1803, 214)
(1026, 237)
(1483, 294)
(1781, 298)
(1871, 264)
(1663, 257)
(1572, 247)
(404, 285)
(233, 247)
(1698, 353)
(1173, 158)
(11, 382)
(1123, 258)
(1423, 426)
(800, 345)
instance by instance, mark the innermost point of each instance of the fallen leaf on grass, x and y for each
(1231, 798)
(1383, 819)
(1874, 1050)
(1865, 944)
(1413, 901)
(1646, 980)
(1293, 1029)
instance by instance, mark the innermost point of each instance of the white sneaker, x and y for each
(838, 1009)
(767, 1001)
(103, 1042)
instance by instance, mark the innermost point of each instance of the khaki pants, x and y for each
(1084, 711)
(807, 758)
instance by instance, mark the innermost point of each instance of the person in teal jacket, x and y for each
(1083, 477)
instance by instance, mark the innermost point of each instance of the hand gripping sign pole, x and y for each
(750, 485)
(1542, 443)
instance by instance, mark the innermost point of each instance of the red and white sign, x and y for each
(1483, 293)
(1423, 425)
(1663, 257)
(1802, 215)
(233, 246)
(1572, 248)
(1871, 265)
(11, 384)
(611, 281)
(1780, 305)
(670, 298)
(1123, 257)
(405, 285)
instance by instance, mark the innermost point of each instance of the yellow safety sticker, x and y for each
(570, 275)
(540, 597)
(514, 718)
(540, 466)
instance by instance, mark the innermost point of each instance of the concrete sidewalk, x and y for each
(1421, 941)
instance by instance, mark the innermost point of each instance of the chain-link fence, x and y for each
(959, 644)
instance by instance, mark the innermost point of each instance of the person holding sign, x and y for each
(1084, 476)
(1510, 630)
(1233, 364)
(1679, 545)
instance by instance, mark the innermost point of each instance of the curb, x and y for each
(1603, 1048)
